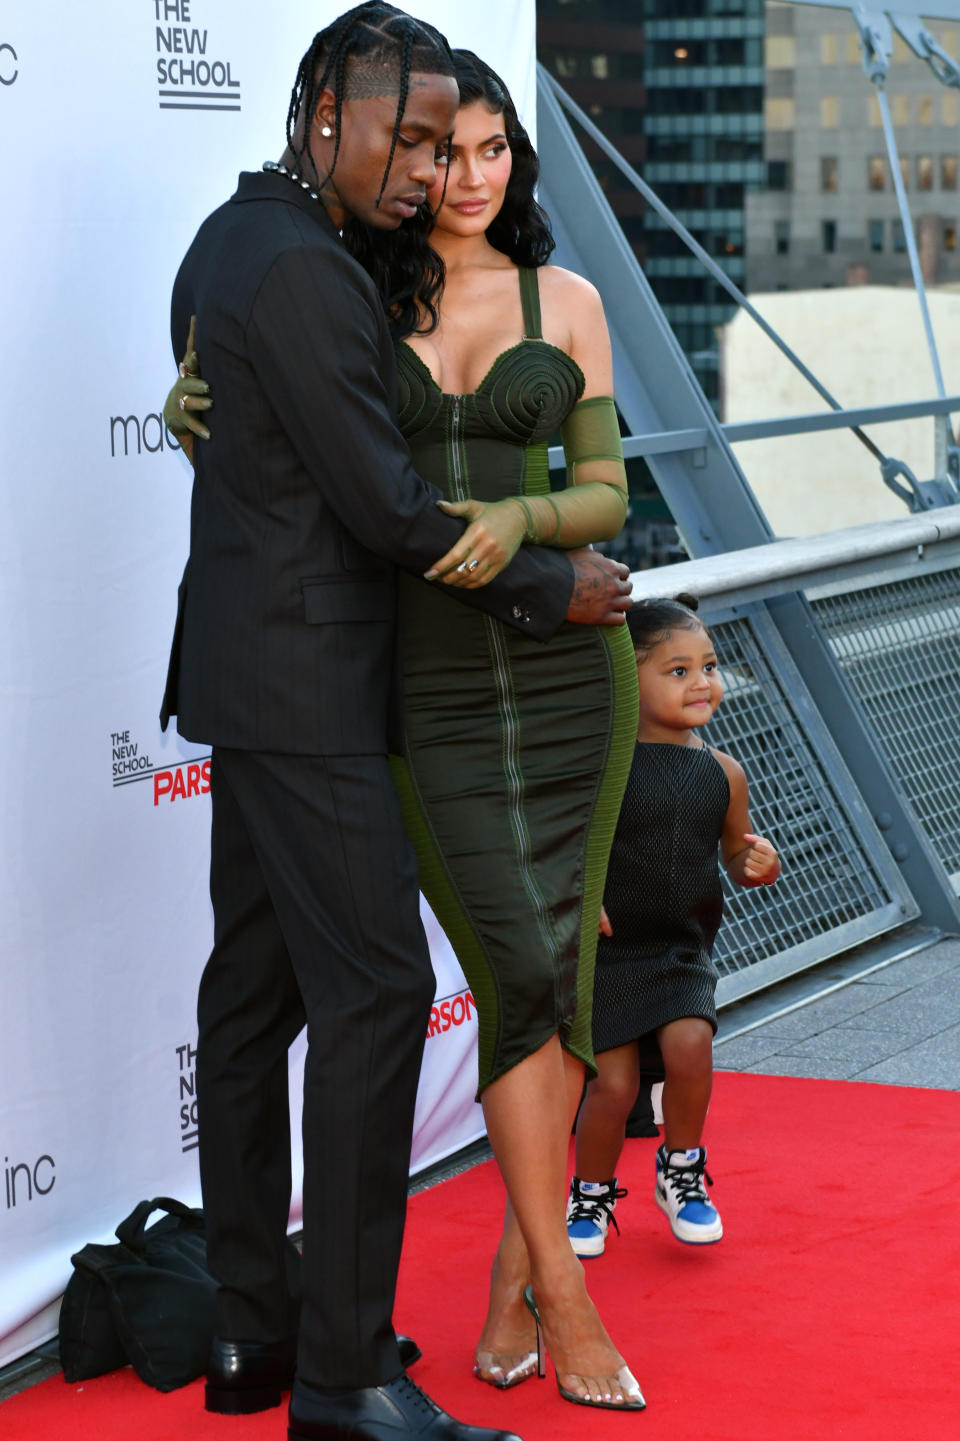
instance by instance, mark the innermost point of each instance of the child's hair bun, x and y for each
(692, 602)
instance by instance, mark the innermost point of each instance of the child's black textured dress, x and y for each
(663, 896)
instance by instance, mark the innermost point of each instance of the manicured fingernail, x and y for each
(430, 574)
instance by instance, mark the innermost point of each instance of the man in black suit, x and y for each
(304, 501)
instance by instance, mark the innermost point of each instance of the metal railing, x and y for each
(898, 644)
(887, 599)
(849, 775)
(834, 891)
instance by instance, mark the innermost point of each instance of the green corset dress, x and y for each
(516, 753)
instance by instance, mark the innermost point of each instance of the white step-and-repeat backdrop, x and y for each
(121, 125)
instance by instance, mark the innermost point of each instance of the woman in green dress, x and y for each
(515, 754)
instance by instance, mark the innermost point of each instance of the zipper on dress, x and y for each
(458, 489)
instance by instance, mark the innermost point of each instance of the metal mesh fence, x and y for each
(828, 878)
(899, 647)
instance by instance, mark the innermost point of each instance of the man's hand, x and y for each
(601, 589)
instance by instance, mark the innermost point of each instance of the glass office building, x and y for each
(678, 87)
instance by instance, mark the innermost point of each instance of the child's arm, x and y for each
(750, 859)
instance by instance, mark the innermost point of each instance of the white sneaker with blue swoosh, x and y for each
(681, 1194)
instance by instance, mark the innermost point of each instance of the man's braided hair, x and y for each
(378, 41)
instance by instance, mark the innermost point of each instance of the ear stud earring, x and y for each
(325, 131)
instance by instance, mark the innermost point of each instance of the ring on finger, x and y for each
(473, 565)
(182, 403)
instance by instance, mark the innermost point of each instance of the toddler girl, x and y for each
(655, 979)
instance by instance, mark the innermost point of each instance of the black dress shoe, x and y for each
(246, 1376)
(378, 1413)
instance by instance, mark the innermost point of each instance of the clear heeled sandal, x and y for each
(633, 1396)
(495, 1375)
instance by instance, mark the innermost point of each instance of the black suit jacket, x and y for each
(305, 498)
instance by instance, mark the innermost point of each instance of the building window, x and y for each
(900, 110)
(685, 52)
(733, 148)
(829, 112)
(829, 173)
(925, 110)
(729, 52)
(876, 173)
(948, 172)
(779, 113)
(828, 231)
(828, 48)
(565, 66)
(599, 67)
(780, 52)
(781, 236)
(899, 238)
(874, 118)
(905, 171)
(875, 233)
(924, 172)
(950, 235)
(950, 109)
(780, 174)
(854, 53)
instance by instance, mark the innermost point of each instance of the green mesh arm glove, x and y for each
(188, 398)
(594, 504)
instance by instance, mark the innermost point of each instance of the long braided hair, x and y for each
(409, 274)
(370, 36)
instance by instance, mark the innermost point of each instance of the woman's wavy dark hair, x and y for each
(522, 229)
(408, 273)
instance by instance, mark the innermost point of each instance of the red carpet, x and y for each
(831, 1308)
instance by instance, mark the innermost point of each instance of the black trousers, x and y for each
(316, 922)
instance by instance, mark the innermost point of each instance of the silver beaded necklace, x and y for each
(272, 168)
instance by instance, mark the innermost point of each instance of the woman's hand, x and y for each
(488, 544)
(188, 398)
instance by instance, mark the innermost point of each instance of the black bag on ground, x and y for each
(148, 1301)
